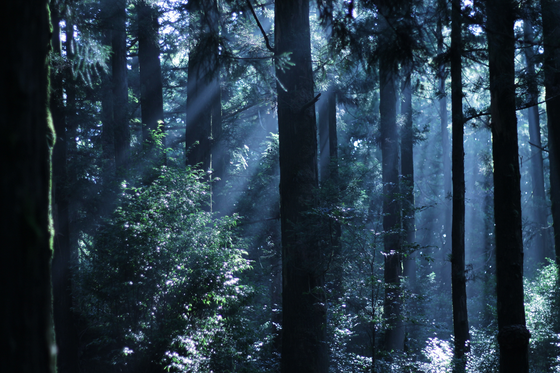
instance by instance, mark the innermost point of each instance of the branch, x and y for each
(252, 58)
(258, 221)
(260, 27)
(538, 147)
(230, 115)
(526, 106)
(477, 115)
(310, 103)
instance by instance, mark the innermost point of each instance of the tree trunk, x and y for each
(407, 181)
(65, 327)
(489, 288)
(445, 151)
(151, 91)
(324, 153)
(202, 86)
(71, 135)
(26, 325)
(458, 278)
(394, 335)
(304, 347)
(108, 129)
(513, 337)
(541, 244)
(204, 120)
(328, 139)
(120, 86)
(551, 37)
(328, 162)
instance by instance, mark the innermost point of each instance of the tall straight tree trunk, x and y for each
(65, 327)
(489, 289)
(513, 337)
(407, 190)
(199, 119)
(407, 185)
(328, 157)
(445, 148)
(388, 70)
(458, 278)
(204, 119)
(151, 91)
(324, 153)
(551, 37)
(541, 243)
(333, 136)
(26, 325)
(108, 129)
(328, 140)
(120, 85)
(202, 86)
(304, 316)
(71, 130)
(407, 165)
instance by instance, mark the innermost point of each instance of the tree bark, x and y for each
(324, 153)
(328, 139)
(446, 245)
(513, 336)
(204, 118)
(26, 325)
(458, 277)
(541, 244)
(62, 263)
(203, 87)
(108, 129)
(328, 162)
(388, 71)
(551, 38)
(151, 91)
(407, 181)
(304, 347)
(120, 85)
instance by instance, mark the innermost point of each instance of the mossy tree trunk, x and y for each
(26, 326)
(64, 321)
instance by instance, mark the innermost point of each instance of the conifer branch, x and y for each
(260, 27)
(310, 103)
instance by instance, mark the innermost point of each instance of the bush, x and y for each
(159, 277)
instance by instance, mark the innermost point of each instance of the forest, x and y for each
(280, 186)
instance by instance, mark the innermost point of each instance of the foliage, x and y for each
(541, 311)
(439, 354)
(160, 274)
(341, 330)
(483, 356)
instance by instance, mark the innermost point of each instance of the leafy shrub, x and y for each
(439, 354)
(541, 315)
(483, 356)
(160, 276)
